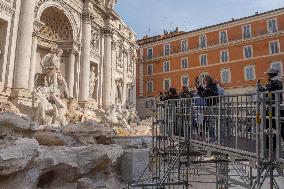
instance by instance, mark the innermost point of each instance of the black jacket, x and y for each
(210, 90)
(273, 85)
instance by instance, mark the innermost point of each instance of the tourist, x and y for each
(274, 83)
(210, 89)
(162, 96)
(172, 93)
(185, 93)
(221, 90)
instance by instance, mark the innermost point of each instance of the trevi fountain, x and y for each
(67, 96)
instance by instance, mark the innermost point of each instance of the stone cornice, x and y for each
(204, 50)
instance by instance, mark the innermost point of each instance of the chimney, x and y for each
(256, 13)
(177, 30)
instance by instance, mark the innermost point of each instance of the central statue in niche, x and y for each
(51, 93)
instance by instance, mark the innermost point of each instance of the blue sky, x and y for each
(153, 16)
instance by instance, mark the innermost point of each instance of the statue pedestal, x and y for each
(83, 104)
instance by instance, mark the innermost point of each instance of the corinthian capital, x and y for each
(107, 31)
(88, 16)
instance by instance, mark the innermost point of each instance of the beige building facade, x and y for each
(98, 49)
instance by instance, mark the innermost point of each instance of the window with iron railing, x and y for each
(184, 63)
(184, 81)
(224, 56)
(203, 59)
(166, 66)
(167, 50)
(202, 41)
(247, 31)
(225, 75)
(223, 38)
(274, 47)
(150, 69)
(184, 45)
(150, 53)
(272, 25)
(167, 84)
(249, 72)
(248, 52)
(150, 86)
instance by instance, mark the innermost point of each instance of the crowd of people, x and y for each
(209, 87)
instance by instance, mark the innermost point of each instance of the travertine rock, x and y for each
(87, 183)
(89, 133)
(16, 154)
(52, 167)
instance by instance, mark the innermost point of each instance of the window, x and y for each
(167, 50)
(150, 69)
(166, 66)
(250, 72)
(167, 84)
(150, 53)
(246, 31)
(184, 63)
(202, 41)
(224, 56)
(223, 38)
(184, 45)
(272, 25)
(149, 103)
(150, 86)
(248, 52)
(225, 75)
(203, 59)
(278, 66)
(184, 81)
(274, 47)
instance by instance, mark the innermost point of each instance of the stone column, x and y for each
(85, 60)
(107, 68)
(33, 63)
(24, 44)
(71, 72)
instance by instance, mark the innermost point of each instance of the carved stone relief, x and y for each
(56, 25)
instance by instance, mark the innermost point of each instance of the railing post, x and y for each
(258, 124)
(277, 122)
(270, 135)
(219, 121)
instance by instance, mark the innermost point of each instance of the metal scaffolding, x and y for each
(237, 138)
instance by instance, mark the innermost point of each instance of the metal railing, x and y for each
(239, 131)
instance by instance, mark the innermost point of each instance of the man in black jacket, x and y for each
(274, 84)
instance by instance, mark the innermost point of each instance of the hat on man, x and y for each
(272, 70)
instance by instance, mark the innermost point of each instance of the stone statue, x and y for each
(51, 69)
(93, 82)
(51, 92)
(111, 4)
